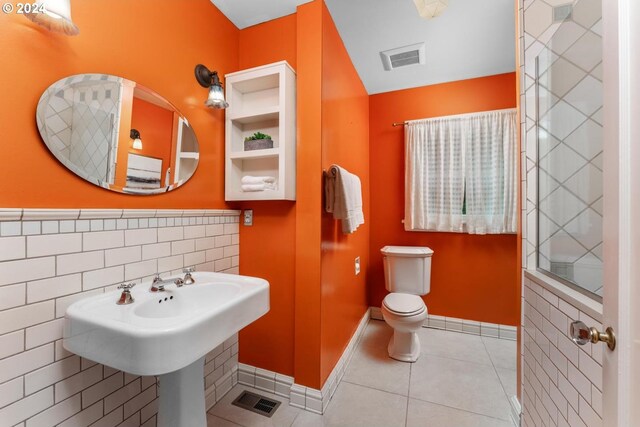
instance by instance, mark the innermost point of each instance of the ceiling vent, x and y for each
(562, 12)
(403, 56)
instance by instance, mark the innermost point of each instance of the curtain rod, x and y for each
(406, 122)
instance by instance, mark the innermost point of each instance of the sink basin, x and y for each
(162, 332)
(167, 334)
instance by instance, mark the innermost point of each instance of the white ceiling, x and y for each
(245, 13)
(472, 38)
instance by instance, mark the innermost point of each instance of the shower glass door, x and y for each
(570, 143)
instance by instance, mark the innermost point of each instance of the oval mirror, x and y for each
(117, 134)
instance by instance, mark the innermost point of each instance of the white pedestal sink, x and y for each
(167, 334)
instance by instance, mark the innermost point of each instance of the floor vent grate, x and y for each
(256, 403)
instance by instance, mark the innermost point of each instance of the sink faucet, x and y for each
(158, 283)
(126, 297)
(188, 279)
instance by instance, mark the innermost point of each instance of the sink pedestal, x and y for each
(181, 400)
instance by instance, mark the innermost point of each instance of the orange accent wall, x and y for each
(159, 51)
(269, 42)
(307, 352)
(317, 300)
(268, 248)
(345, 141)
(155, 125)
(472, 277)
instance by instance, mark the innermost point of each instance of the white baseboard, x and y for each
(516, 411)
(300, 396)
(472, 327)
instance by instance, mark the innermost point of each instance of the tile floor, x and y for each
(460, 380)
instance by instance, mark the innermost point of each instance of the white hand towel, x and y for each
(248, 179)
(257, 187)
(343, 192)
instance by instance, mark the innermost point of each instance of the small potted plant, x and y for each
(258, 141)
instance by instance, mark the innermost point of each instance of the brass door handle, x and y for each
(581, 334)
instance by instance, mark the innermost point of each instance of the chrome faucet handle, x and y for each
(126, 297)
(157, 285)
(188, 278)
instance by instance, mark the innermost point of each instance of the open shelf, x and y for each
(257, 115)
(261, 99)
(255, 154)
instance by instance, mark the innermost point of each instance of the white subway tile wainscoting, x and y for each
(50, 258)
(561, 381)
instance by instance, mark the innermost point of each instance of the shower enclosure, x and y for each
(569, 133)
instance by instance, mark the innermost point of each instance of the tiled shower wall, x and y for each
(48, 260)
(561, 382)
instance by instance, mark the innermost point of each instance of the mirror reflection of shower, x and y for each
(87, 122)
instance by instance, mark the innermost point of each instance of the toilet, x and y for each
(407, 275)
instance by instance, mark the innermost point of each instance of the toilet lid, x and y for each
(403, 303)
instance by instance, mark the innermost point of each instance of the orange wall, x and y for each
(309, 203)
(268, 247)
(269, 42)
(472, 277)
(159, 52)
(317, 300)
(345, 141)
(155, 125)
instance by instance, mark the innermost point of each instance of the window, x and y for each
(461, 173)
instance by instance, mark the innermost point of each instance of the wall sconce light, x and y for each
(211, 80)
(431, 8)
(135, 136)
(54, 15)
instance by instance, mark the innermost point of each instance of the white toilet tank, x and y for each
(407, 269)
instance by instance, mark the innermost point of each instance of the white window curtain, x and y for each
(450, 159)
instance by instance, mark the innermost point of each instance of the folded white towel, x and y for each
(257, 187)
(343, 194)
(248, 179)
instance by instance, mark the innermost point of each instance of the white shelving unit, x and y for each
(261, 99)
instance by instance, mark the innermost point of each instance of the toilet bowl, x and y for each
(407, 274)
(405, 313)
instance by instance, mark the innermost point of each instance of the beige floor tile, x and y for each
(309, 419)
(453, 384)
(458, 384)
(376, 333)
(283, 417)
(426, 414)
(453, 345)
(213, 421)
(356, 406)
(502, 352)
(508, 380)
(371, 366)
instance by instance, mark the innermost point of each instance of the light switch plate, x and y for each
(248, 217)
(357, 265)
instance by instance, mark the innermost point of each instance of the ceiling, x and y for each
(472, 38)
(245, 13)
